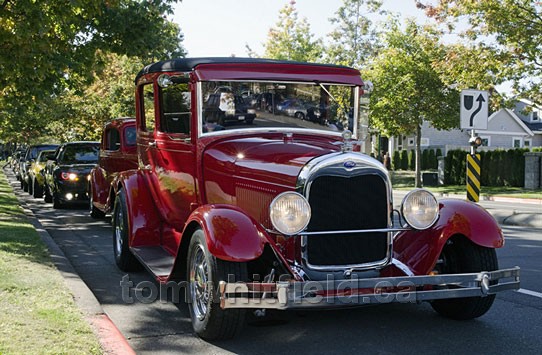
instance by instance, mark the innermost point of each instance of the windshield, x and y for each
(79, 154)
(244, 105)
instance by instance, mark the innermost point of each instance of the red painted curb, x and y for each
(111, 339)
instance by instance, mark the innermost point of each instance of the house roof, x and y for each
(511, 113)
(535, 127)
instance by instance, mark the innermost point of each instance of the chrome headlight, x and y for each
(290, 213)
(420, 209)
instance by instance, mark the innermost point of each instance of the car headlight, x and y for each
(290, 213)
(420, 209)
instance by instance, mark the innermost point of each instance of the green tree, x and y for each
(49, 46)
(404, 159)
(396, 160)
(408, 89)
(512, 29)
(354, 38)
(291, 38)
(110, 95)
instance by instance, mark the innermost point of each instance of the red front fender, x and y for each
(231, 234)
(419, 250)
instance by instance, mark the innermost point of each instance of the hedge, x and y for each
(498, 167)
(405, 159)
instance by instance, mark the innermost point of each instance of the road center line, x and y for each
(530, 293)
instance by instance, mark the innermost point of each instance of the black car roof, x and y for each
(188, 64)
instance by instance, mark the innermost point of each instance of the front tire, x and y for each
(209, 321)
(47, 194)
(94, 212)
(460, 255)
(125, 260)
(30, 186)
(57, 204)
(37, 189)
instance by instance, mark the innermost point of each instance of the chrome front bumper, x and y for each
(356, 292)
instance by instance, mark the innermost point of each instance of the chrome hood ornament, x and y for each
(347, 145)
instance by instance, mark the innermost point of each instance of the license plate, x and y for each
(241, 118)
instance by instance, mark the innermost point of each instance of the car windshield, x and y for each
(42, 156)
(230, 105)
(79, 154)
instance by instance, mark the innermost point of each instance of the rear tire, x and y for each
(204, 271)
(125, 260)
(460, 255)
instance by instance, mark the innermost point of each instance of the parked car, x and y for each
(67, 172)
(117, 153)
(300, 109)
(15, 162)
(288, 216)
(223, 108)
(36, 173)
(29, 157)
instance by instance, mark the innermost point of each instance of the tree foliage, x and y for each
(111, 95)
(511, 28)
(291, 38)
(50, 46)
(354, 38)
(408, 89)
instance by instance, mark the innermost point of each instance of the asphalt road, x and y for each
(513, 325)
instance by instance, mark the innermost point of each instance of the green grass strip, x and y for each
(37, 311)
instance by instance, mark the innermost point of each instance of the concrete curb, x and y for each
(109, 336)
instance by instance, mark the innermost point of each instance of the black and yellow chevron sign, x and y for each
(473, 177)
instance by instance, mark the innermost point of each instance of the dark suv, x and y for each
(225, 107)
(67, 172)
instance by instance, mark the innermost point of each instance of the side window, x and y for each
(130, 136)
(112, 137)
(147, 107)
(175, 105)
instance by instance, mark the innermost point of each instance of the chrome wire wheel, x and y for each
(119, 231)
(124, 258)
(200, 289)
(204, 272)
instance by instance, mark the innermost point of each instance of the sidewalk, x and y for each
(510, 217)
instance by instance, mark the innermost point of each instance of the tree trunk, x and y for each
(418, 155)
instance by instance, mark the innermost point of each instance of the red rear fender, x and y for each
(420, 249)
(231, 234)
(143, 219)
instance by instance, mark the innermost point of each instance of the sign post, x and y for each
(473, 115)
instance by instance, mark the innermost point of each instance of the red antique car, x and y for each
(117, 153)
(283, 213)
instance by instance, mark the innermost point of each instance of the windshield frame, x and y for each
(244, 130)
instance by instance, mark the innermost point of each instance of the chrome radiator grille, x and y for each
(347, 203)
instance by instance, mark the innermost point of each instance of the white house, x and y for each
(506, 129)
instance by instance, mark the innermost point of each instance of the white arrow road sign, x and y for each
(474, 109)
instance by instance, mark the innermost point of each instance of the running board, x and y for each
(154, 258)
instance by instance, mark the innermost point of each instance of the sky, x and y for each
(225, 27)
